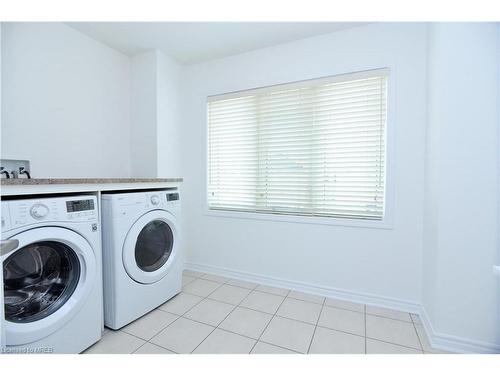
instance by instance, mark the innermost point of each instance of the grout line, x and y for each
(219, 322)
(288, 291)
(161, 330)
(183, 315)
(303, 300)
(414, 320)
(251, 289)
(395, 344)
(140, 347)
(220, 286)
(387, 317)
(270, 320)
(418, 338)
(316, 326)
(338, 330)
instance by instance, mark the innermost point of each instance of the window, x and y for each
(314, 148)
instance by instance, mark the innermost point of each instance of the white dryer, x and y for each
(53, 277)
(142, 262)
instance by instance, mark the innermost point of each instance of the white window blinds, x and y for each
(312, 148)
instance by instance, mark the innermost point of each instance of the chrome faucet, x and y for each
(4, 172)
(23, 170)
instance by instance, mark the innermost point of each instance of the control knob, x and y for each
(155, 200)
(39, 211)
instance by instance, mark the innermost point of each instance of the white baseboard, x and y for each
(452, 343)
(365, 298)
(437, 340)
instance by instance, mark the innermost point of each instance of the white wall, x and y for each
(66, 102)
(143, 139)
(383, 262)
(155, 141)
(461, 293)
(169, 117)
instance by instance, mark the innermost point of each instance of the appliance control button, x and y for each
(155, 200)
(39, 211)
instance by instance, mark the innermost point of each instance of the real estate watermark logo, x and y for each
(28, 350)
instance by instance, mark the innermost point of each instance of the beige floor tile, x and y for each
(347, 305)
(116, 342)
(182, 336)
(230, 294)
(246, 322)
(392, 331)
(201, 287)
(388, 313)
(264, 302)
(180, 304)
(289, 334)
(187, 279)
(380, 347)
(210, 312)
(306, 297)
(273, 290)
(242, 284)
(216, 278)
(263, 348)
(329, 341)
(300, 310)
(149, 348)
(343, 320)
(150, 324)
(192, 273)
(223, 342)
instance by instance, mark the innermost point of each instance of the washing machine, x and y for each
(142, 259)
(52, 274)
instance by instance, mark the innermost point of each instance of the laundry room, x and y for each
(250, 186)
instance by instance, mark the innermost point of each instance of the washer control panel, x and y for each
(17, 213)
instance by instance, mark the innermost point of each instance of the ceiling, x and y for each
(193, 42)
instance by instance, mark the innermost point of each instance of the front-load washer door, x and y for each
(47, 280)
(150, 247)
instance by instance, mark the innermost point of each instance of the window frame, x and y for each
(389, 194)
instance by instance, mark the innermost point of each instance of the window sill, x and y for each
(360, 223)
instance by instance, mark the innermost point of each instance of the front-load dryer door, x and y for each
(47, 280)
(150, 247)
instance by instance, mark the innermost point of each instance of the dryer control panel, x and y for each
(17, 213)
(150, 200)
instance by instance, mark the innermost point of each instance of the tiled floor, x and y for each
(214, 314)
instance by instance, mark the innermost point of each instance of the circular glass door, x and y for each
(38, 279)
(150, 247)
(47, 280)
(154, 246)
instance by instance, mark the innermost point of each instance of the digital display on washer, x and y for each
(81, 205)
(173, 197)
